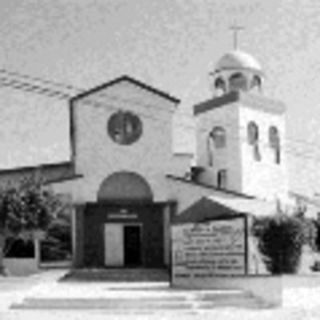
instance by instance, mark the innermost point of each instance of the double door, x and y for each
(122, 245)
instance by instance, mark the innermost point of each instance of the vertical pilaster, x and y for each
(77, 235)
(166, 233)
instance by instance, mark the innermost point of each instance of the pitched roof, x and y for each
(207, 186)
(46, 166)
(48, 173)
(304, 198)
(215, 207)
(128, 79)
(204, 210)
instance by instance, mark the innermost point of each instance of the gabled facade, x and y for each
(122, 147)
(122, 127)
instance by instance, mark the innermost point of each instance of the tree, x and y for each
(26, 211)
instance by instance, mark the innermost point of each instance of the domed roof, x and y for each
(238, 60)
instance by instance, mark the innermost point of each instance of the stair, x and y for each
(127, 291)
(154, 301)
(118, 274)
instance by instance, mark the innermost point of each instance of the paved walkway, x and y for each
(299, 303)
(14, 289)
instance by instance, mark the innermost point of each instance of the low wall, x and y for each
(65, 264)
(21, 266)
(268, 288)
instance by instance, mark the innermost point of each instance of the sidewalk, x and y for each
(299, 303)
(14, 289)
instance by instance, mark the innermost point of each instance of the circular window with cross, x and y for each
(124, 127)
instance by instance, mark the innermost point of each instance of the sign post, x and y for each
(208, 249)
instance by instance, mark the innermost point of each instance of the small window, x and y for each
(252, 133)
(256, 152)
(253, 139)
(238, 82)
(277, 156)
(274, 142)
(256, 82)
(220, 85)
(218, 135)
(222, 179)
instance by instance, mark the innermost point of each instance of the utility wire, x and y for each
(53, 93)
(76, 90)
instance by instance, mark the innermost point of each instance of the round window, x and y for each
(124, 127)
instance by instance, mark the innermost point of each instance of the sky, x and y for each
(169, 44)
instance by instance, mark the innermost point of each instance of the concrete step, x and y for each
(147, 304)
(117, 274)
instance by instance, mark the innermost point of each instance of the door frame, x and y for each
(140, 225)
(123, 225)
(105, 226)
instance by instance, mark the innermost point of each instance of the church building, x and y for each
(126, 182)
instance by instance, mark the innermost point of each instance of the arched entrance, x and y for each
(125, 186)
(122, 235)
(125, 227)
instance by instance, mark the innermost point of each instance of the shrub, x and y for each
(281, 238)
(310, 228)
(310, 232)
(57, 245)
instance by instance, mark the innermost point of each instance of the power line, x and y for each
(38, 79)
(19, 84)
(76, 90)
(26, 86)
(34, 89)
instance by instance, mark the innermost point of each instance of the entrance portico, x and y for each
(124, 227)
(123, 235)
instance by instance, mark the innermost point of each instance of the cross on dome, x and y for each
(237, 70)
(236, 29)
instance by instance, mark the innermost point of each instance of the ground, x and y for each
(299, 303)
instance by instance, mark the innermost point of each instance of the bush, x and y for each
(57, 245)
(281, 238)
(310, 233)
(310, 228)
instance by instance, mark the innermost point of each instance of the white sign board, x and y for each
(208, 249)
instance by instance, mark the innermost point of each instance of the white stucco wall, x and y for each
(98, 156)
(265, 178)
(180, 164)
(223, 158)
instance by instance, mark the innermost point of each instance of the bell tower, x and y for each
(240, 132)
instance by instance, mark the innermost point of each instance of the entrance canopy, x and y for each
(215, 207)
(204, 210)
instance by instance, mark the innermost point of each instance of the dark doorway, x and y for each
(132, 245)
